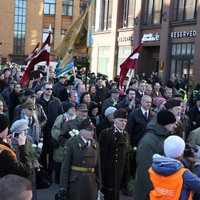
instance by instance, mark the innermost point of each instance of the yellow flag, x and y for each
(75, 38)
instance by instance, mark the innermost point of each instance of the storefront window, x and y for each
(123, 53)
(103, 60)
(182, 60)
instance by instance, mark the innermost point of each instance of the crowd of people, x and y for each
(99, 139)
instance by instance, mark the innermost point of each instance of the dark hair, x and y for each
(92, 85)
(82, 96)
(129, 89)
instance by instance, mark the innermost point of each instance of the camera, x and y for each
(189, 150)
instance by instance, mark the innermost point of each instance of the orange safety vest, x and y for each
(167, 187)
(3, 147)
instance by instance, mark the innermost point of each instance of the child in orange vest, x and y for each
(170, 179)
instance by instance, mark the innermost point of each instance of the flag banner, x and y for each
(33, 53)
(42, 55)
(68, 67)
(75, 38)
(129, 63)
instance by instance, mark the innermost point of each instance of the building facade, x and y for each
(24, 23)
(169, 28)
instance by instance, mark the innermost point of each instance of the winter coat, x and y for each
(10, 164)
(150, 144)
(81, 185)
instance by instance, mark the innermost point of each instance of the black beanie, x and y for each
(165, 117)
(4, 122)
(172, 103)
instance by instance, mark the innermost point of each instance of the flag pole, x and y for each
(49, 55)
(129, 80)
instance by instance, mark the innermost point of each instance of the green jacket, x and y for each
(151, 143)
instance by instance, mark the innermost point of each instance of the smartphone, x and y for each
(15, 135)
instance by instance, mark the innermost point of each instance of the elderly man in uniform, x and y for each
(80, 175)
(114, 155)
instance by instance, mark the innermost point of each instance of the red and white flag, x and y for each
(33, 53)
(42, 55)
(129, 63)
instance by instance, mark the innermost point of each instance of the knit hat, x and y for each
(110, 110)
(158, 101)
(19, 125)
(121, 113)
(172, 103)
(174, 146)
(4, 122)
(30, 93)
(114, 90)
(165, 117)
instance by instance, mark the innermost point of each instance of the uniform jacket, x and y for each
(167, 166)
(10, 165)
(81, 185)
(151, 143)
(114, 161)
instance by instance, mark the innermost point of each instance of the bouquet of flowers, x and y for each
(74, 132)
(36, 150)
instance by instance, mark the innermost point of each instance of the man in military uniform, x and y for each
(81, 174)
(114, 155)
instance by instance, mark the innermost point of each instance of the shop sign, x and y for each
(126, 38)
(180, 34)
(150, 37)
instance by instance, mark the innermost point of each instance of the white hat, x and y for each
(110, 110)
(174, 146)
(19, 125)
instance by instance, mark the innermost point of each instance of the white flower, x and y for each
(34, 145)
(40, 145)
(73, 133)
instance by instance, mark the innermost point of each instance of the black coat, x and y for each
(194, 115)
(10, 165)
(114, 161)
(103, 125)
(136, 125)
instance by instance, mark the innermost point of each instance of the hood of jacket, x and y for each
(165, 166)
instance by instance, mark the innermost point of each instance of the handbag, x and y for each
(42, 179)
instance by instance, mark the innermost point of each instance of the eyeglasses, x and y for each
(48, 89)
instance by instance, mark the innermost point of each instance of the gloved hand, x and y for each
(61, 195)
(22, 139)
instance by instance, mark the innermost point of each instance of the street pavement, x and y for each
(49, 193)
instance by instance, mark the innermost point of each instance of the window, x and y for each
(63, 31)
(83, 5)
(105, 15)
(128, 13)
(153, 10)
(49, 7)
(184, 10)
(67, 7)
(123, 54)
(103, 60)
(19, 27)
(46, 33)
(182, 60)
